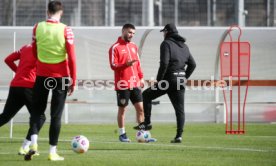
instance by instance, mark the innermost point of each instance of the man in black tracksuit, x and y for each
(176, 65)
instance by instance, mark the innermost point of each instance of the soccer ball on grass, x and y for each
(143, 136)
(80, 144)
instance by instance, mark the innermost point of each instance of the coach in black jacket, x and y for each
(176, 65)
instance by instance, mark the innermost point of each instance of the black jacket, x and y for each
(174, 57)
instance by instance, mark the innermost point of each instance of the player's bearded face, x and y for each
(128, 34)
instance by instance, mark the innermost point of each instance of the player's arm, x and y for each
(10, 60)
(70, 48)
(113, 60)
(140, 72)
(34, 41)
(191, 65)
(164, 60)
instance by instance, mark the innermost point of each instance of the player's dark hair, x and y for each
(126, 26)
(54, 7)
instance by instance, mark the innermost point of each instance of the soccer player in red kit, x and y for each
(21, 89)
(124, 61)
(53, 45)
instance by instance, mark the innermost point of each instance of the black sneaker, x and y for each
(176, 140)
(29, 155)
(143, 126)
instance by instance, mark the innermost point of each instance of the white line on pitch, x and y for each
(199, 147)
(176, 146)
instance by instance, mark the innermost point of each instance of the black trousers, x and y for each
(17, 98)
(41, 92)
(175, 91)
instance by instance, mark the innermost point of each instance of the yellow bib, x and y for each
(50, 42)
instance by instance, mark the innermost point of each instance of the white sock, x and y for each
(53, 149)
(34, 138)
(122, 131)
(26, 143)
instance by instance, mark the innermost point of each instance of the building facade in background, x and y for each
(144, 12)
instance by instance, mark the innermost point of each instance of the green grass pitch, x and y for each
(203, 144)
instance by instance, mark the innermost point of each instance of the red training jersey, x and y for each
(66, 68)
(126, 77)
(25, 72)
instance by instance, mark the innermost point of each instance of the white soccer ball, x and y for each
(80, 144)
(143, 136)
